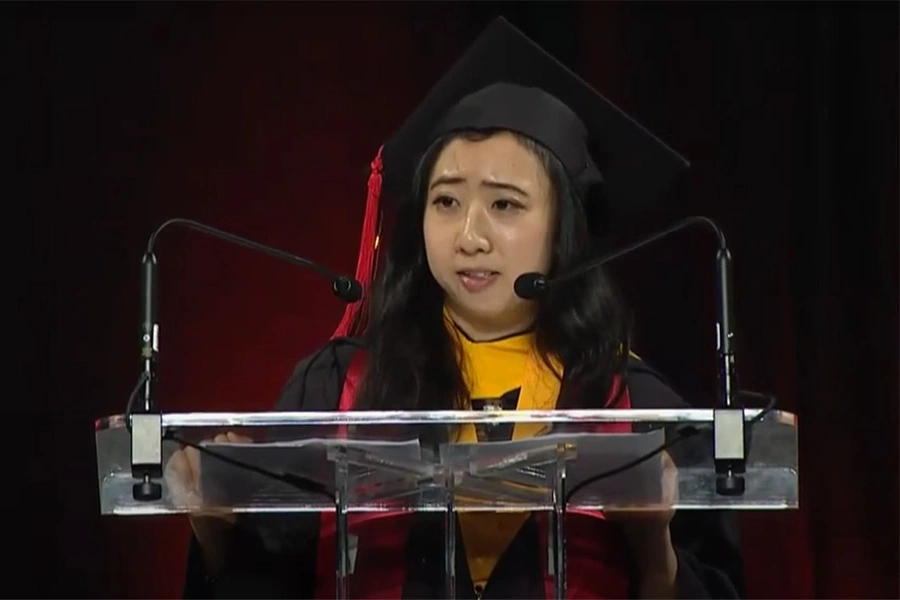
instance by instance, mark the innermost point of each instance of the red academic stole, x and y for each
(596, 566)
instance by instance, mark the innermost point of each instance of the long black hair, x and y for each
(413, 361)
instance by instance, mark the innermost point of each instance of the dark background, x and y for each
(261, 119)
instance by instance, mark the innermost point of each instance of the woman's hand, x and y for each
(182, 476)
(646, 531)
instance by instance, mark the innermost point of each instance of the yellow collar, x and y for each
(539, 385)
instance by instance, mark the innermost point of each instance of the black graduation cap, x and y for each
(506, 81)
(539, 97)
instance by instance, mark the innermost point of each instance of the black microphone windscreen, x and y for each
(529, 285)
(349, 290)
(355, 291)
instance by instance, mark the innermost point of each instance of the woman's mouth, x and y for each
(476, 281)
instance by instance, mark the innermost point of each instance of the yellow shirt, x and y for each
(510, 370)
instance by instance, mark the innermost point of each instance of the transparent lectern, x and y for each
(381, 462)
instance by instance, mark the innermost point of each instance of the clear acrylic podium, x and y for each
(376, 462)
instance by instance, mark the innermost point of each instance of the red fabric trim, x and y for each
(378, 571)
(376, 566)
(595, 567)
(624, 403)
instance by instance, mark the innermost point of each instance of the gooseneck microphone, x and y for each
(344, 287)
(143, 419)
(531, 285)
(728, 417)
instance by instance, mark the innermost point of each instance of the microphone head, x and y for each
(530, 285)
(347, 289)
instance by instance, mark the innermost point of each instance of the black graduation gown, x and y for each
(274, 556)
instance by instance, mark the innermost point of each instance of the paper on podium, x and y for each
(377, 471)
(388, 475)
(521, 474)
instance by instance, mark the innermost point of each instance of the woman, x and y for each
(502, 184)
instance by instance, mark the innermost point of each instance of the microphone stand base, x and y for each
(147, 491)
(730, 485)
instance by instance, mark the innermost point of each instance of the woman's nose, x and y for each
(473, 237)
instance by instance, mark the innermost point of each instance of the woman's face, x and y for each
(488, 219)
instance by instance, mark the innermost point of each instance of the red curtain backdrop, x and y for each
(261, 119)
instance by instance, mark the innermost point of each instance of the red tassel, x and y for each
(352, 322)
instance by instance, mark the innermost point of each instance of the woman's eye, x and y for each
(506, 204)
(444, 202)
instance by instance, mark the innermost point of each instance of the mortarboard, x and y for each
(506, 81)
